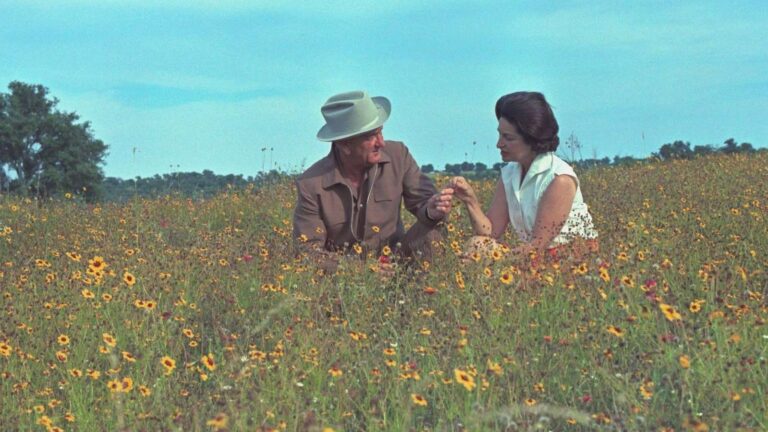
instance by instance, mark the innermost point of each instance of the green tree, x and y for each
(701, 150)
(730, 146)
(676, 150)
(454, 169)
(46, 149)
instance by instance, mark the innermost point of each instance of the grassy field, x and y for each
(172, 314)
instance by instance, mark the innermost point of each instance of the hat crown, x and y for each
(352, 113)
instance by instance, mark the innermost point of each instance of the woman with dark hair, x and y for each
(538, 192)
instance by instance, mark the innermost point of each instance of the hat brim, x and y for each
(382, 105)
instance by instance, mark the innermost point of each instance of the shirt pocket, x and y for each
(384, 195)
(335, 212)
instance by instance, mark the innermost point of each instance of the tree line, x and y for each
(47, 152)
(188, 184)
(669, 151)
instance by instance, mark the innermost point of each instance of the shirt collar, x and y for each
(333, 175)
(542, 162)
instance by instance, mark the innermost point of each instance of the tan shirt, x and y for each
(327, 217)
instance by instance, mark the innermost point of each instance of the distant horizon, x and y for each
(440, 168)
(193, 85)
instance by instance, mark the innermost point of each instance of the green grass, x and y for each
(297, 351)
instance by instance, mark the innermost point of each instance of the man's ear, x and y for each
(344, 146)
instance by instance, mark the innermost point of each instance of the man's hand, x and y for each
(440, 204)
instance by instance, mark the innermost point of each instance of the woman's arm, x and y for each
(495, 221)
(554, 208)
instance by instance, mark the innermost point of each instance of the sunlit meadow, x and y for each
(172, 314)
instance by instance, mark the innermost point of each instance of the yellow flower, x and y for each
(335, 371)
(581, 269)
(63, 340)
(208, 362)
(646, 390)
(144, 390)
(109, 339)
(695, 306)
(386, 251)
(97, 263)
(506, 278)
(219, 422)
(128, 357)
(669, 312)
(695, 425)
(464, 379)
(418, 399)
(685, 361)
(114, 386)
(460, 280)
(43, 420)
(169, 364)
(129, 278)
(375, 229)
(126, 385)
(604, 275)
(616, 331)
(494, 367)
(5, 349)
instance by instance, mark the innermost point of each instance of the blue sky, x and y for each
(193, 85)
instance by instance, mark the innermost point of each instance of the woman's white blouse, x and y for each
(523, 200)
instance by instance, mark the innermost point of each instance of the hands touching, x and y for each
(440, 204)
(462, 190)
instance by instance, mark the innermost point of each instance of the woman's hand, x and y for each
(462, 190)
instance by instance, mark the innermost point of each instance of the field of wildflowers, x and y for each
(172, 314)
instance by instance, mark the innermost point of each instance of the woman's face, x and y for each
(511, 144)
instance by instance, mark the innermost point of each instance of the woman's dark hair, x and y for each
(533, 117)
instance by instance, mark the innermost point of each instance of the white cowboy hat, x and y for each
(352, 113)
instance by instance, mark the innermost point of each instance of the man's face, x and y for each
(365, 149)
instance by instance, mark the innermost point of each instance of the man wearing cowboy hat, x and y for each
(351, 198)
